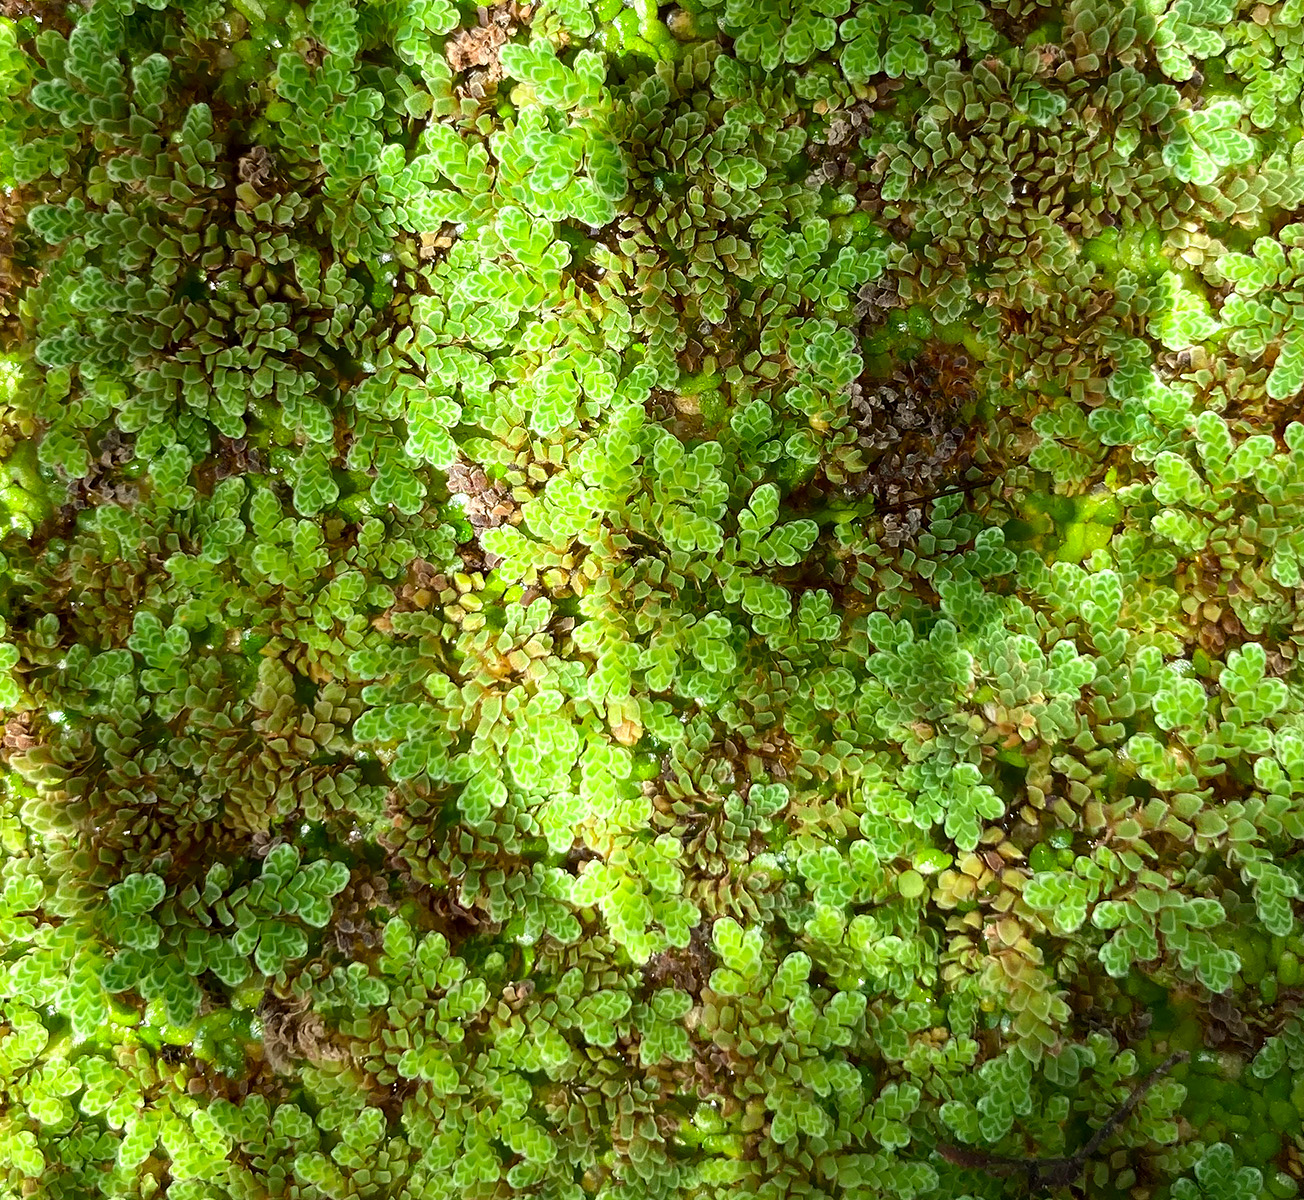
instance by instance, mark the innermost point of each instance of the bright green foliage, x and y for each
(1281, 1050)
(1265, 60)
(1218, 1178)
(887, 38)
(770, 32)
(1262, 311)
(1208, 142)
(665, 603)
(1191, 31)
(1182, 919)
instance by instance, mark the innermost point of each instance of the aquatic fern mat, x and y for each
(635, 603)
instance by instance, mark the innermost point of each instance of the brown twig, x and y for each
(955, 491)
(1059, 1172)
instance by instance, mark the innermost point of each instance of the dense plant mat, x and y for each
(687, 603)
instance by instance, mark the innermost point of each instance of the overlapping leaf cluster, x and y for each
(612, 601)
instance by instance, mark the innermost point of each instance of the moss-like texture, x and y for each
(675, 603)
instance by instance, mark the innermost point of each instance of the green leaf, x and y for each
(136, 894)
(741, 952)
(1181, 704)
(1287, 376)
(1041, 105)
(278, 945)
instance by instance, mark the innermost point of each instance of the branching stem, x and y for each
(1060, 1172)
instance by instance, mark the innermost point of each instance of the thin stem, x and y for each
(1060, 1172)
(825, 516)
(1124, 1110)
